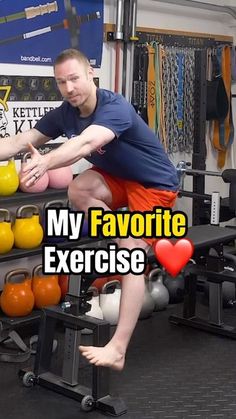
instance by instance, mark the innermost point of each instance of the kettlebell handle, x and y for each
(154, 272)
(36, 270)
(110, 284)
(94, 291)
(6, 214)
(26, 156)
(56, 203)
(21, 210)
(14, 272)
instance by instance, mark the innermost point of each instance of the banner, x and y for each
(35, 32)
(25, 100)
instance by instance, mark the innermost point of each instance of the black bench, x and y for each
(212, 266)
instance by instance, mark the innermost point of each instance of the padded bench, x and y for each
(212, 266)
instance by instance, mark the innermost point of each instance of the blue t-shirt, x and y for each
(134, 154)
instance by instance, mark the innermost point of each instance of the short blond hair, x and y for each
(71, 53)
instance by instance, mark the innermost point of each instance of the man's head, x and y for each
(3, 121)
(74, 76)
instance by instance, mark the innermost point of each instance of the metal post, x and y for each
(199, 146)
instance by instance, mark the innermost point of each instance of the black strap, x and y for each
(9, 337)
(22, 356)
(217, 103)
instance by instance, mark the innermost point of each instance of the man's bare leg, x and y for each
(113, 354)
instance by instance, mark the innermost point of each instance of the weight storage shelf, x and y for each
(49, 194)
(19, 197)
(20, 253)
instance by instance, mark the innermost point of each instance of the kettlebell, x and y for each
(52, 204)
(28, 232)
(60, 178)
(9, 179)
(158, 291)
(6, 233)
(42, 183)
(99, 282)
(110, 302)
(17, 298)
(175, 286)
(95, 310)
(228, 293)
(63, 282)
(148, 303)
(46, 289)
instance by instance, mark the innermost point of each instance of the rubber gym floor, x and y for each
(171, 372)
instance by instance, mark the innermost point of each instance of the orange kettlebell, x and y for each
(27, 230)
(17, 298)
(46, 289)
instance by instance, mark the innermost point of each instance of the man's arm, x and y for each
(71, 151)
(92, 138)
(10, 146)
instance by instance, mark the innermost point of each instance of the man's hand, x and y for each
(36, 168)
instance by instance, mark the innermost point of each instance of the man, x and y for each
(130, 169)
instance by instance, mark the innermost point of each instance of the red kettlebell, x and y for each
(63, 281)
(99, 282)
(45, 288)
(17, 298)
(60, 178)
(42, 183)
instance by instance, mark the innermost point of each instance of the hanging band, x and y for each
(151, 89)
(223, 130)
(158, 88)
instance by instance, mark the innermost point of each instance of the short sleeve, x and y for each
(115, 115)
(51, 123)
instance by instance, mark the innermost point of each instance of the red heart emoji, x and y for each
(173, 256)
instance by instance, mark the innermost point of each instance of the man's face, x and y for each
(74, 81)
(3, 121)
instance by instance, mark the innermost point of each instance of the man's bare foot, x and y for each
(107, 356)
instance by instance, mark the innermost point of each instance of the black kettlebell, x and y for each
(228, 293)
(175, 286)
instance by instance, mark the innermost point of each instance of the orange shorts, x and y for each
(136, 197)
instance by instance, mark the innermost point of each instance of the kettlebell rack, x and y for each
(8, 324)
(22, 197)
(72, 314)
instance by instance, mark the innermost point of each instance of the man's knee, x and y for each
(85, 188)
(78, 197)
